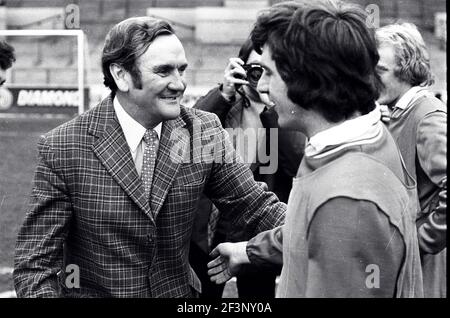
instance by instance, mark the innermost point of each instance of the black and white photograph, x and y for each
(226, 152)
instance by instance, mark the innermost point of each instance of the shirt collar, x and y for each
(352, 130)
(410, 95)
(133, 131)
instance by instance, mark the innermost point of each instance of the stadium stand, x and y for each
(207, 49)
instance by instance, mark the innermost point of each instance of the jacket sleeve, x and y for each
(266, 247)
(432, 154)
(39, 247)
(353, 251)
(231, 186)
(214, 102)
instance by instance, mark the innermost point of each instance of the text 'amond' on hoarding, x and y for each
(56, 98)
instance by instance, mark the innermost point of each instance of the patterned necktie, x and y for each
(149, 160)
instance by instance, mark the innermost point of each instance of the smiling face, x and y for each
(162, 70)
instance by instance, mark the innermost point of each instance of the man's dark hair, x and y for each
(245, 50)
(126, 42)
(325, 53)
(7, 56)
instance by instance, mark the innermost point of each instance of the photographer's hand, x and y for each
(230, 79)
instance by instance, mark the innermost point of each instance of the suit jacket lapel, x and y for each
(112, 150)
(172, 150)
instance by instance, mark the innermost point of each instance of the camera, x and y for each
(254, 72)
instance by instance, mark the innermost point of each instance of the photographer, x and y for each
(240, 106)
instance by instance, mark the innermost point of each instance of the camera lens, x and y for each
(254, 73)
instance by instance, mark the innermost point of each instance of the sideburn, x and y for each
(136, 77)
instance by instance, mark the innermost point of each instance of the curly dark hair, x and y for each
(325, 53)
(126, 42)
(7, 56)
(245, 50)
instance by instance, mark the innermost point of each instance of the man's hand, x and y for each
(233, 74)
(228, 259)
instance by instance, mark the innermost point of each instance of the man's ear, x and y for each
(121, 77)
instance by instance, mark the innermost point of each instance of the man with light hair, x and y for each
(418, 123)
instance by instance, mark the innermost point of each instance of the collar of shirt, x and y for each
(412, 94)
(362, 129)
(133, 131)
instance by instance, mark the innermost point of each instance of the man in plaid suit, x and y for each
(116, 189)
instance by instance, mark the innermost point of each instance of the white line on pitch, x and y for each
(18, 134)
(8, 294)
(6, 270)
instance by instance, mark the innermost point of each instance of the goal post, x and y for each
(79, 34)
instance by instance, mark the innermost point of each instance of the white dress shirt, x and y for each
(134, 133)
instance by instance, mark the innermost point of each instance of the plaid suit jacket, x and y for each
(88, 207)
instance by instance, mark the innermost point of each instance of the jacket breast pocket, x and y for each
(186, 190)
(190, 175)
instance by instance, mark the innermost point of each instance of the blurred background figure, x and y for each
(7, 58)
(240, 106)
(419, 125)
